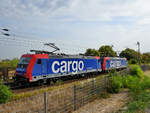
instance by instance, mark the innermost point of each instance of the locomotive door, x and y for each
(44, 66)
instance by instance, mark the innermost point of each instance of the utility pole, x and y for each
(138, 44)
(118, 53)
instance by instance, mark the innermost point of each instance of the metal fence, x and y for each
(74, 97)
(63, 100)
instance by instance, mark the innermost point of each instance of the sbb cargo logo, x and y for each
(67, 66)
(115, 64)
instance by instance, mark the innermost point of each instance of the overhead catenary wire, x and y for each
(14, 39)
(48, 40)
(31, 45)
(23, 37)
(17, 41)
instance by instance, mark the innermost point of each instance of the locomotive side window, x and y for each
(39, 61)
(23, 62)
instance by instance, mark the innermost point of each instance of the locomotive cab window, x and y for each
(39, 61)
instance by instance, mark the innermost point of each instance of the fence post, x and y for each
(5, 73)
(75, 97)
(45, 103)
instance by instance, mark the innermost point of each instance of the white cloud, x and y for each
(80, 10)
(86, 22)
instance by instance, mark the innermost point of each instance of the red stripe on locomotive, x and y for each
(34, 57)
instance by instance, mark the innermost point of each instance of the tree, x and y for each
(107, 50)
(129, 54)
(12, 64)
(146, 58)
(92, 52)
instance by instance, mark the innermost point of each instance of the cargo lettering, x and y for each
(114, 64)
(66, 66)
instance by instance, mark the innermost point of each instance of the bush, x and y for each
(135, 84)
(112, 72)
(116, 84)
(133, 61)
(136, 71)
(146, 82)
(125, 81)
(5, 94)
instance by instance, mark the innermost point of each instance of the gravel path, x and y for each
(109, 105)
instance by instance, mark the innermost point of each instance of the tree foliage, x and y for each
(92, 52)
(146, 58)
(104, 51)
(132, 56)
(107, 50)
(9, 63)
(133, 61)
(129, 54)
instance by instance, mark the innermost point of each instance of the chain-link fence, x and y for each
(63, 100)
(76, 96)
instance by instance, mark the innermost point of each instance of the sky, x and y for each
(73, 25)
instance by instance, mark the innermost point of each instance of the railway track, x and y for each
(24, 88)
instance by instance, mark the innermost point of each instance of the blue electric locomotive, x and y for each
(35, 67)
(44, 66)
